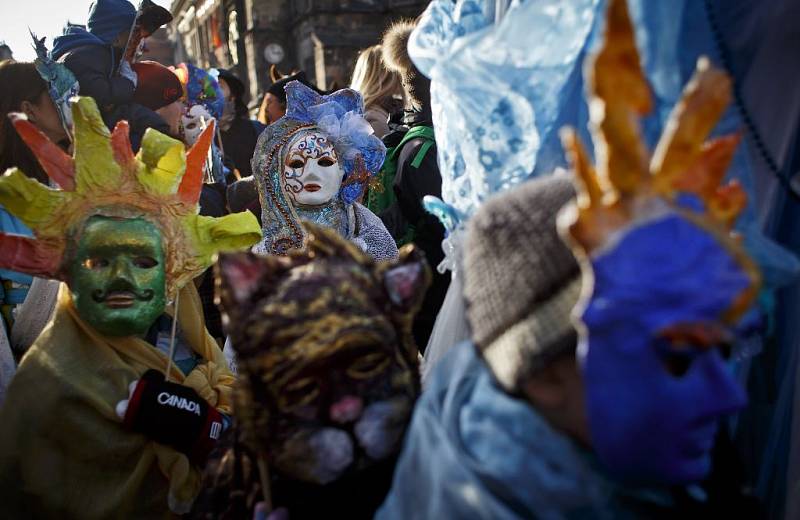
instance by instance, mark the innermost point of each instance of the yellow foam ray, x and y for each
(164, 162)
(29, 200)
(229, 233)
(92, 149)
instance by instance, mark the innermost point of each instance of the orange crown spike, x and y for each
(620, 95)
(708, 169)
(589, 190)
(121, 144)
(727, 203)
(704, 99)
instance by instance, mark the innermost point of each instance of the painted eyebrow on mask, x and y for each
(140, 249)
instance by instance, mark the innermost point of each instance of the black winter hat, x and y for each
(234, 83)
(277, 88)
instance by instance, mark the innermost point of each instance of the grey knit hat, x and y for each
(520, 280)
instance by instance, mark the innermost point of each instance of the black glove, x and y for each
(173, 414)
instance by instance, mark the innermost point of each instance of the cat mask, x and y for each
(328, 366)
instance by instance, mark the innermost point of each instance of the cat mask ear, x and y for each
(237, 277)
(240, 275)
(407, 279)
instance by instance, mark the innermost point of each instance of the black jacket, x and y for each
(94, 67)
(410, 186)
(239, 142)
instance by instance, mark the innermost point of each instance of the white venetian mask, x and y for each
(194, 122)
(311, 171)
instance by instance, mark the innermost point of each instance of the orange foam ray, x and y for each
(56, 163)
(121, 145)
(192, 182)
(28, 255)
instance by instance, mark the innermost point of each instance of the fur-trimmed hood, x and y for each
(395, 47)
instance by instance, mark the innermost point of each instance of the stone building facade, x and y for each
(320, 37)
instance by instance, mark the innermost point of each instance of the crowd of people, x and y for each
(422, 296)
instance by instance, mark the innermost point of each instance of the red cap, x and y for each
(157, 85)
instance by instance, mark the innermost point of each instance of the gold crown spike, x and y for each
(704, 100)
(627, 185)
(161, 183)
(620, 96)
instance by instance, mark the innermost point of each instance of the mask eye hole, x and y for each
(298, 393)
(368, 366)
(95, 263)
(677, 363)
(326, 162)
(681, 343)
(145, 262)
(726, 350)
(296, 164)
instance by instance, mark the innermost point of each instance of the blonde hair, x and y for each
(377, 84)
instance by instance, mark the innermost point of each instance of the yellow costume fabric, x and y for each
(63, 450)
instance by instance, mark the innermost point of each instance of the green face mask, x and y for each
(117, 277)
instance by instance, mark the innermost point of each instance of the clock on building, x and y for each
(274, 53)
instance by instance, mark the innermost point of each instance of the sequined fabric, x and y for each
(280, 226)
(371, 235)
(354, 222)
(334, 214)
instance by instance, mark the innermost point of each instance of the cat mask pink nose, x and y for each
(347, 409)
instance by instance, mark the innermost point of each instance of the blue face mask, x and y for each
(654, 402)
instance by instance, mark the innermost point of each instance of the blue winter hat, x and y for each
(109, 18)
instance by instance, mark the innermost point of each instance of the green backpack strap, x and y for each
(425, 132)
(381, 198)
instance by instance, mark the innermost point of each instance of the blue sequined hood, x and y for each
(340, 116)
(361, 154)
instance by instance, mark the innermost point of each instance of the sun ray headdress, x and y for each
(162, 184)
(629, 187)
